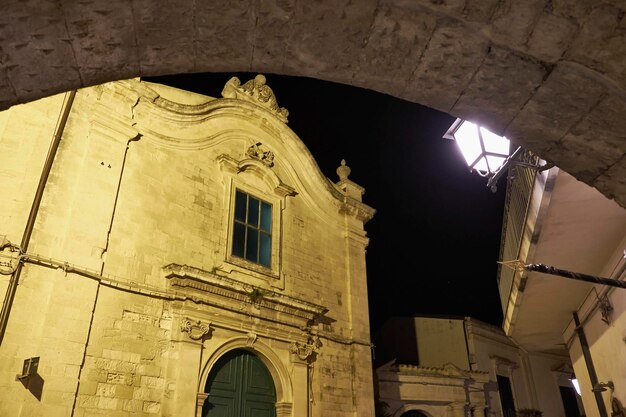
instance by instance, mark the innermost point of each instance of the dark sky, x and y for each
(435, 238)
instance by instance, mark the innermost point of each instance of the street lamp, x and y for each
(487, 153)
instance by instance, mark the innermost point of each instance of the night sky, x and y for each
(435, 238)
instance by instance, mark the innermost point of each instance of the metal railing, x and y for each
(518, 193)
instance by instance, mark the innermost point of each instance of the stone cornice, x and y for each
(448, 370)
(503, 362)
(205, 284)
(355, 208)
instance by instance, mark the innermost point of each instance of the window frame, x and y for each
(242, 264)
(252, 227)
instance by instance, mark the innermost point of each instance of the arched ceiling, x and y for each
(549, 74)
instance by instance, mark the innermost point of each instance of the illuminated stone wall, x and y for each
(128, 291)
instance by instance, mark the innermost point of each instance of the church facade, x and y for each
(173, 254)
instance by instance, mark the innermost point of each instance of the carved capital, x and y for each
(195, 328)
(283, 409)
(202, 396)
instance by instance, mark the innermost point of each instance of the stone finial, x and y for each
(343, 171)
(255, 91)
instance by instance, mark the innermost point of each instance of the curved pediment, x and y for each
(239, 122)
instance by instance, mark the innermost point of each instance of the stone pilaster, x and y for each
(457, 409)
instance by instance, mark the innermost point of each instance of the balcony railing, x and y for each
(518, 193)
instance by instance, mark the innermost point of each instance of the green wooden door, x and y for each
(240, 385)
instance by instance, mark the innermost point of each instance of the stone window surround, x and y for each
(275, 194)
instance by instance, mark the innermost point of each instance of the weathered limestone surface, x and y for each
(129, 293)
(539, 71)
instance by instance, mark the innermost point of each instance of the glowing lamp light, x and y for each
(487, 153)
(576, 385)
(484, 151)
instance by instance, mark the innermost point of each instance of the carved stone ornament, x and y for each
(255, 151)
(251, 337)
(195, 328)
(304, 351)
(255, 91)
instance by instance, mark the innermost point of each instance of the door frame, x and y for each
(283, 381)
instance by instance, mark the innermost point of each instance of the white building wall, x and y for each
(441, 341)
(534, 379)
(605, 337)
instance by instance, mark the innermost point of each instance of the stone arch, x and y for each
(415, 413)
(414, 410)
(278, 370)
(532, 71)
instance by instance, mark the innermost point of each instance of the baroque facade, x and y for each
(173, 254)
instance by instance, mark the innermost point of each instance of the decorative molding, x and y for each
(283, 409)
(251, 338)
(118, 132)
(266, 157)
(448, 369)
(359, 236)
(195, 328)
(201, 398)
(501, 364)
(255, 91)
(229, 164)
(477, 328)
(199, 285)
(306, 351)
(355, 208)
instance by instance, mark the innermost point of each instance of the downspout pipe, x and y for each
(593, 377)
(34, 210)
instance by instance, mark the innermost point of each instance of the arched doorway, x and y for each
(414, 413)
(240, 385)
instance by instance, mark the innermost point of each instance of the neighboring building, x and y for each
(184, 256)
(455, 367)
(555, 220)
